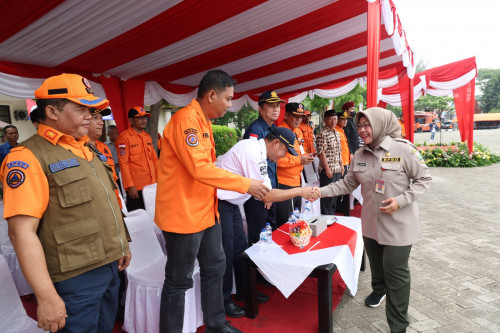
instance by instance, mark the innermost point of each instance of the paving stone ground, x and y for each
(455, 265)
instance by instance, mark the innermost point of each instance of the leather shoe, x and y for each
(233, 310)
(226, 327)
(261, 297)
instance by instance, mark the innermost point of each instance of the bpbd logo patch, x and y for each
(15, 178)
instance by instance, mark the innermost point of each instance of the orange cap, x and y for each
(138, 111)
(73, 87)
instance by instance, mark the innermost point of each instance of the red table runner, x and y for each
(334, 235)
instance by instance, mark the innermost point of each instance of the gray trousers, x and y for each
(391, 276)
(182, 250)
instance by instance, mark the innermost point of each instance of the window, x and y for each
(5, 114)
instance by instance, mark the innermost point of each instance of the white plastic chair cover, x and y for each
(13, 317)
(146, 274)
(149, 196)
(7, 250)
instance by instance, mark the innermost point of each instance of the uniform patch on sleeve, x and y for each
(17, 164)
(103, 158)
(191, 131)
(418, 156)
(122, 150)
(15, 178)
(64, 164)
(192, 140)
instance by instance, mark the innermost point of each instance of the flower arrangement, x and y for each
(300, 233)
(457, 155)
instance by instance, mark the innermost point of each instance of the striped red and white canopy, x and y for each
(164, 47)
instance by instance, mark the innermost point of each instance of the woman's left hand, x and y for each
(391, 205)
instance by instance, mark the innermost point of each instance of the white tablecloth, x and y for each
(287, 272)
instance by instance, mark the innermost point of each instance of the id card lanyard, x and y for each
(380, 182)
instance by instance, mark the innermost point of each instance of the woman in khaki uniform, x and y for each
(392, 175)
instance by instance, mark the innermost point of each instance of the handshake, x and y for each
(310, 193)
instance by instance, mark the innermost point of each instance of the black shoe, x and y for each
(223, 328)
(233, 310)
(373, 300)
(261, 297)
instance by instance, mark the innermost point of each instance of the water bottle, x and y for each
(296, 213)
(291, 218)
(307, 210)
(269, 231)
(263, 240)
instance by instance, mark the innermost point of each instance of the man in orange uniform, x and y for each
(290, 167)
(96, 126)
(137, 157)
(307, 132)
(69, 237)
(186, 205)
(343, 200)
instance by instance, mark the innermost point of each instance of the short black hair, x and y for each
(112, 126)
(7, 127)
(58, 103)
(35, 115)
(217, 80)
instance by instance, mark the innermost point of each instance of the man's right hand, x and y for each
(51, 313)
(306, 159)
(257, 189)
(133, 193)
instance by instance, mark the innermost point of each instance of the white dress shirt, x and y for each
(246, 158)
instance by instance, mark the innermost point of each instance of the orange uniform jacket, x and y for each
(308, 135)
(345, 153)
(289, 167)
(137, 158)
(186, 196)
(33, 187)
(403, 130)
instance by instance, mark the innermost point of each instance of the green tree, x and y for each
(242, 118)
(357, 95)
(318, 104)
(429, 102)
(490, 99)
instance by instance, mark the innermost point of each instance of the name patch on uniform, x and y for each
(361, 164)
(64, 164)
(15, 178)
(391, 159)
(191, 131)
(192, 140)
(17, 164)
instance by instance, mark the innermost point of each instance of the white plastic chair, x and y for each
(149, 197)
(7, 250)
(13, 317)
(146, 274)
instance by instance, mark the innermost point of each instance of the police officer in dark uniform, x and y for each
(256, 211)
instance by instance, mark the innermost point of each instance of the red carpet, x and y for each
(298, 313)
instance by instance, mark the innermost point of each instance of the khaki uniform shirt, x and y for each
(399, 164)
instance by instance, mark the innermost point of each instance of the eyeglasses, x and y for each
(365, 125)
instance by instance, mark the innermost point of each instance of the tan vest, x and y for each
(82, 228)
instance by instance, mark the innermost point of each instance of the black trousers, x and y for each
(343, 205)
(328, 205)
(284, 208)
(182, 250)
(257, 216)
(234, 241)
(134, 204)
